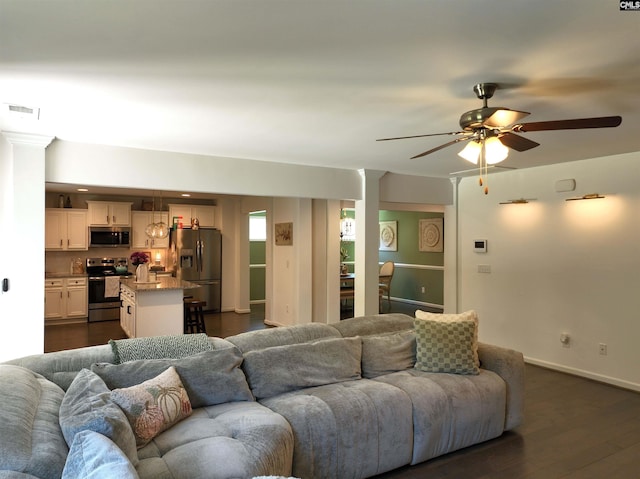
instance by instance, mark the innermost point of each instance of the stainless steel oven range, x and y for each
(104, 297)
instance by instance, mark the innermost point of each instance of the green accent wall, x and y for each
(407, 282)
(257, 255)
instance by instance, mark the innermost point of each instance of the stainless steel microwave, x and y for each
(105, 237)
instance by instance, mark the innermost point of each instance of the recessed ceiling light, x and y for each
(83, 189)
(186, 195)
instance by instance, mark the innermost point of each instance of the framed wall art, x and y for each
(388, 236)
(283, 234)
(431, 239)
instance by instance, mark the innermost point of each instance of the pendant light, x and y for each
(158, 230)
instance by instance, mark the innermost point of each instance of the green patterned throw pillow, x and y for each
(154, 405)
(447, 346)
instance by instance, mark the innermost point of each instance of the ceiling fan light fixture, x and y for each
(503, 117)
(471, 152)
(495, 151)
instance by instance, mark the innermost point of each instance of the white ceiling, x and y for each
(316, 82)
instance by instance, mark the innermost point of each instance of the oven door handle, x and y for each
(96, 278)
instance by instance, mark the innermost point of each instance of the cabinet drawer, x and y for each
(53, 283)
(76, 282)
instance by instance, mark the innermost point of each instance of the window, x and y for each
(258, 226)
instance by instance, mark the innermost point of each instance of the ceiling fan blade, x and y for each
(575, 124)
(437, 148)
(517, 142)
(422, 136)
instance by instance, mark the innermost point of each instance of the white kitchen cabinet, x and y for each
(107, 213)
(54, 299)
(65, 298)
(128, 312)
(204, 213)
(65, 229)
(139, 222)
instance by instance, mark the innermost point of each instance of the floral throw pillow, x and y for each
(154, 405)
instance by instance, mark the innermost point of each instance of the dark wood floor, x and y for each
(574, 428)
(70, 336)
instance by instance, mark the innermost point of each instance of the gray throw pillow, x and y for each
(211, 377)
(280, 369)
(388, 353)
(94, 456)
(87, 405)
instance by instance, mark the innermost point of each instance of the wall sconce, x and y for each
(590, 196)
(519, 201)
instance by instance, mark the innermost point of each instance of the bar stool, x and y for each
(193, 316)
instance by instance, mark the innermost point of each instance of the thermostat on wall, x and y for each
(480, 246)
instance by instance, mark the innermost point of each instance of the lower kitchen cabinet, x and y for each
(128, 312)
(65, 298)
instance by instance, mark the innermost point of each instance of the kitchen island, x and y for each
(153, 308)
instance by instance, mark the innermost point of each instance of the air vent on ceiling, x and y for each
(23, 111)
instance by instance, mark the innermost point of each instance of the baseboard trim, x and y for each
(242, 311)
(621, 383)
(274, 324)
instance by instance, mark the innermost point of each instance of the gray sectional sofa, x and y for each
(309, 401)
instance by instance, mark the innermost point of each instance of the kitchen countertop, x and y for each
(48, 275)
(162, 284)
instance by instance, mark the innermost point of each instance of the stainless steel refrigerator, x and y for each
(197, 257)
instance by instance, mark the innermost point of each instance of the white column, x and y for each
(22, 254)
(451, 253)
(367, 242)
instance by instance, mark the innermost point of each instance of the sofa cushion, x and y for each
(447, 346)
(87, 405)
(94, 456)
(349, 429)
(374, 324)
(279, 369)
(30, 437)
(154, 405)
(159, 347)
(231, 440)
(387, 353)
(451, 411)
(267, 338)
(211, 377)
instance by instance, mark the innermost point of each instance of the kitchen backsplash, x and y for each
(60, 261)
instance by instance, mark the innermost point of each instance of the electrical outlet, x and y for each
(484, 268)
(286, 308)
(565, 339)
(603, 349)
(422, 290)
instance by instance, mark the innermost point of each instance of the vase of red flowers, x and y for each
(140, 260)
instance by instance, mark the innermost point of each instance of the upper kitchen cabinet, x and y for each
(65, 229)
(139, 222)
(107, 213)
(204, 213)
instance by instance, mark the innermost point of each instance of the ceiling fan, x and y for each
(490, 131)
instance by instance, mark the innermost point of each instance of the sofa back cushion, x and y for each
(388, 353)
(61, 367)
(31, 442)
(210, 377)
(266, 338)
(374, 324)
(279, 369)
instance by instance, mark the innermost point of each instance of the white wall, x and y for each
(76, 163)
(558, 266)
